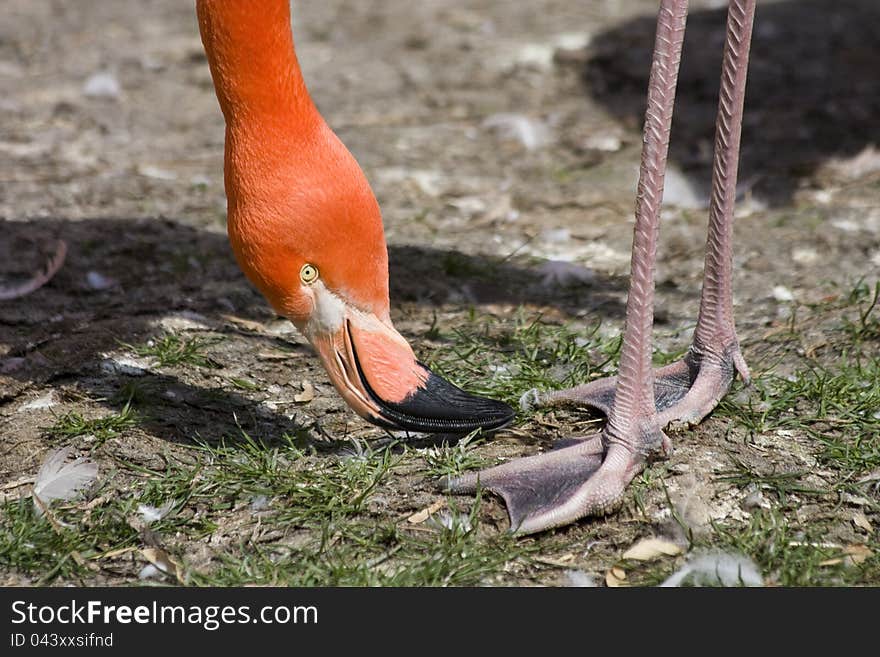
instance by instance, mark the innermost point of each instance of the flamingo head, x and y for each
(307, 231)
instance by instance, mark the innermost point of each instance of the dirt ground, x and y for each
(492, 132)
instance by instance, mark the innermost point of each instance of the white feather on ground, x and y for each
(451, 520)
(580, 579)
(716, 569)
(150, 572)
(151, 514)
(527, 131)
(558, 273)
(58, 480)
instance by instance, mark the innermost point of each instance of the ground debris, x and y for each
(59, 480)
(162, 564)
(616, 577)
(420, 516)
(307, 394)
(716, 569)
(651, 548)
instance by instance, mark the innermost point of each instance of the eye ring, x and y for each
(308, 274)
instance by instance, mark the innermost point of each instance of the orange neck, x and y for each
(253, 63)
(295, 194)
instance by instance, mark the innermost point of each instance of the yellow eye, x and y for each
(308, 274)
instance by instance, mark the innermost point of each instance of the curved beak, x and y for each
(374, 369)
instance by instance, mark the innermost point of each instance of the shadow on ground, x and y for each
(152, 268)
(813, 91)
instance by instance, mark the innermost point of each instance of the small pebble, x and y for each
(783, 294)
(102, 85)
(97, 281)
(529, 132)
(605, 143)
(804, 256)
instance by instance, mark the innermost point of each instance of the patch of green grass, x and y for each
(792, 555)
(281, 513)
(837, 406)
(311, 489)
(786, 552)
(244, 384)
(171, 349)
(276, 514)
(504, 360)
(451, 460)
(779, 484)
(864, 298)
(72, 547)
(72, 425)
(369, 554)
(31, 545)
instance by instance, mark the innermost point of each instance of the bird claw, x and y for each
(557, 487)
(533, 487)
(581, 477)
(685, 391)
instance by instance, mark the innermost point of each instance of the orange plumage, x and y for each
(295, 193)
(306, 228)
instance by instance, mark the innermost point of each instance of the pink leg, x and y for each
(554, 489)
(688, 390)
(39, 279)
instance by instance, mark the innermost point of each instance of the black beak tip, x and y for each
(441, 407)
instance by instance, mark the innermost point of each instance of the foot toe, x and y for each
(545, 490)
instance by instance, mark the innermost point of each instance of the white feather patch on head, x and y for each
(329, 312)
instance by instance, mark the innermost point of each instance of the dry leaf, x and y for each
(562, 562)
(860, 520)
(855, 500)
(857, 553)
(163, 561)
(424, 514)
(652, 548)
(274, 355)
(243, 323)
(831, 562)
(616, 577)
(307, 394)
(873, 476)
(114, 553)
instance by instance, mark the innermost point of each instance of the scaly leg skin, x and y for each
(589, 477)
(688, 390)
(685, 391)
